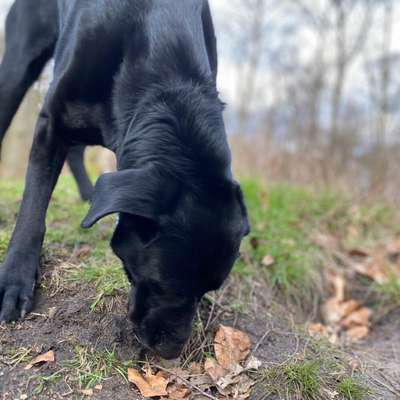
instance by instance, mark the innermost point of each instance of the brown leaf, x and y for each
(332, 311)
(87, 392)
(254, 242)
(326, 241)
(43, 358)
(203, 382)
(213, 369)
(373, 269)
(349, 307)
(339, 286)
(236, 386)
(358, 253)
(149, 385)
(232, 378)
(179, 373)
(335, 311)
(178, 392)
(52, 312)
(82, 252)
(268, 261)
(357, 333)
(318, 330)
(360, 317)
(231, 346)
(195, 368)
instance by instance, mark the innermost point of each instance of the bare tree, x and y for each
(349, 42)
(247, 27)
(379, 73)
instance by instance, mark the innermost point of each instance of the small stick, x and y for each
(260, 342)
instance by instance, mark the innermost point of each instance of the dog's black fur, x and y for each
(138, 77)
(31, 31)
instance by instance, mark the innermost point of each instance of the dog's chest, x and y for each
(84, 122)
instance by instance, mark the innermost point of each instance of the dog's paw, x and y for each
(16, 292)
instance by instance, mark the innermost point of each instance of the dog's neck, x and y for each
(177, 125)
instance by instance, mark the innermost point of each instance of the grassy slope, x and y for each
(284, 221)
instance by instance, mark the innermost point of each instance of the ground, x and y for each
(282, 283)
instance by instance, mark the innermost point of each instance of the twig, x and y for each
(186, 382)
(260, 342)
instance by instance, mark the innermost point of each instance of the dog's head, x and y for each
(176, 244)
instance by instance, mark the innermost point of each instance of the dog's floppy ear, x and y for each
(143, 192)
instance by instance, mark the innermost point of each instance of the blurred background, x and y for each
(312, 88)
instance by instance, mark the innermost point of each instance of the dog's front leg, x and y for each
(19, 272)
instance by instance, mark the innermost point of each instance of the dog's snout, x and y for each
(169, 351)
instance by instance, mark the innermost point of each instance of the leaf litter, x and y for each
(41, 359)
(225, 376)
(342, 315)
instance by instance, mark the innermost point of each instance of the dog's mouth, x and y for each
(164, 348)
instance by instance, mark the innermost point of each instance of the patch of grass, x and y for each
(43, 382)
(89, 368)
(295, 380)
(108, 279)
(389, 292)
(282, 218)
(318, 371)
(4, 239)
(13, 357)
(304, 379)
(351, 389)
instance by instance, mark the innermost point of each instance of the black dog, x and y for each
(138, 77)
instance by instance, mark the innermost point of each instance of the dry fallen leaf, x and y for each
(254, 242)
(331, 394)
(149, 385)
(203, 382)
(236, 386)
(178, 392)
(52, 312)
(318, 330)
(268, 260)
(82, 252)
(334, 311)
(231, 379)
(87, 392)
(178, 374)
(372, 269)
(195, 368)
(338, 283)
(360, 317)
(326, 241)
(213, 369)
(253, 364)
(357, 333)
(231, 347)
(43, 358)
(358, 253)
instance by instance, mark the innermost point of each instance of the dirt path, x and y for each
(380, 356)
